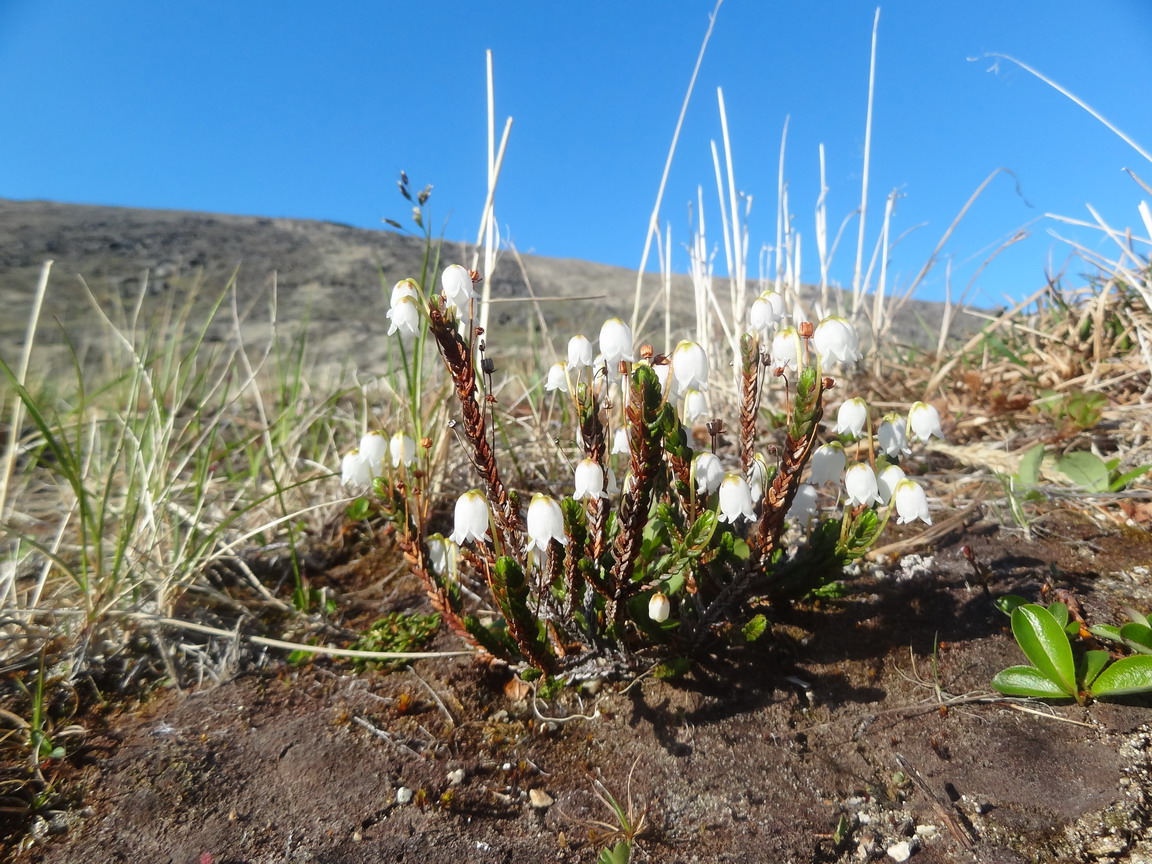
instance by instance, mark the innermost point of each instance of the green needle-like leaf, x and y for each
(1028, 681)
(1130, 675)
(1045, 644)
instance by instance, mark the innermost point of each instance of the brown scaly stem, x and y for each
(458, 358)
(764, 538)
(749, 398)
(411, 542)
(592, 434)
(644, 441)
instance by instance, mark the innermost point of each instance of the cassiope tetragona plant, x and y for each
(663, 532)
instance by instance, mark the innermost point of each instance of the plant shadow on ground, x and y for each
(841, 733)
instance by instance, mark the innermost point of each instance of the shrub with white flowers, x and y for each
(591, 572)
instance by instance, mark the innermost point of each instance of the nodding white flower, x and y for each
(767, 311)
(852, 417)
(662, 371)
(589, 480)
(911, 502)
(708, 471)
(836, 340)
(804, 505)
(735, 499)
(402, 449)
(615, 343)
(355, 470)
(887, 480)
(786, 348)
(827, 464)
(471, 517)
(456, 286)
(404, 314)
(373, 448)
(545, 523)
(758, 477)
(892, 436)
(860, 484)
(620, 442)
(441, 554)
(924, 421)
(403, 288)
(695, 406)
(659, 607)
(579, 353)
(557, 378)
(611, 486)
(690, 367)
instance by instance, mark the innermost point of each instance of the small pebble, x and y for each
(540, 799)
(403, 795)
(901, 851)
(455, 778)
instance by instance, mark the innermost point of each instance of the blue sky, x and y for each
(311, 110)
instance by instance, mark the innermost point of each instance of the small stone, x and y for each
(455, 778)
(901, 851)
(926, 831)
(540, 799)
(403, 795)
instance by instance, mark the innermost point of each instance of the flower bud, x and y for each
(659, 607)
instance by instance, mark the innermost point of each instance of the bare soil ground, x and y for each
(848, 730)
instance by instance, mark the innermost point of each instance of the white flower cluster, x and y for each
(404, 305)
(364, 464)
(891, 486)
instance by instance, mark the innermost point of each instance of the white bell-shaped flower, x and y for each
(373, 450)
(589, 480)
(735, 499)
(786, 348)
(620, 442)
(355, 471)
(662, 371)
(557, 378)
(659, 607)
(911, 503)
(836, 341)
(690, 367)
(456, 286)
(403, 288)
(402, 449)
(804, 504)
(924, 421)
(579, 353)
(860, 484)
(887, 480)
(615, 343)
(471, 517)
(404, 315)
(827, 464)
(852, 417)
(610, 484)
(442, 554)
(767, 311)
(758, 477)
(695, 406)
(708, 471)
(892, 436)
(545, 523)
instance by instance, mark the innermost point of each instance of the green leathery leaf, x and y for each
(1009, 602)
(1045, 644)
(1027, 681)
(1091, 665)
(1060, 612)
(1128, 675)
(1137, 636)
